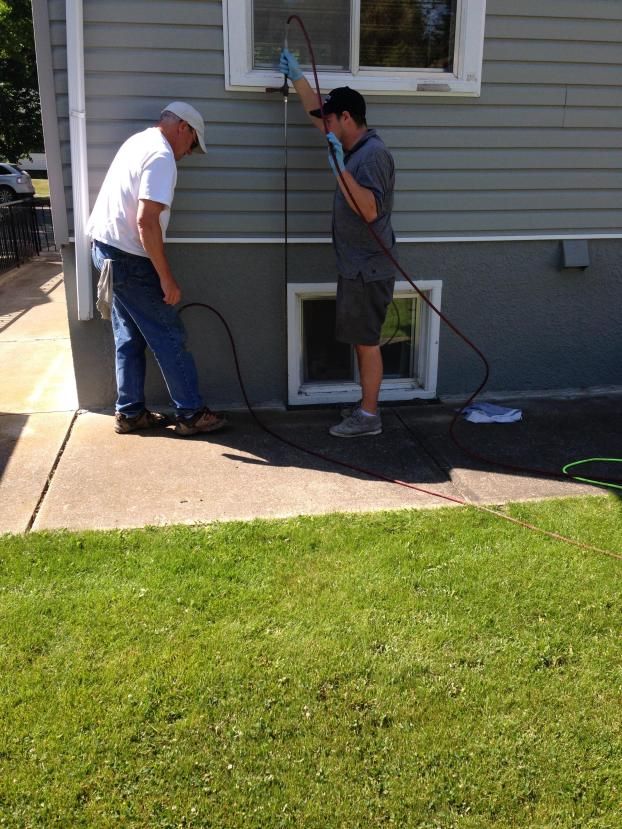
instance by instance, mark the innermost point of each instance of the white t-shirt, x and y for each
(143, 168)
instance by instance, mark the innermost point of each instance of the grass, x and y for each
(42, 187)
(423, 669)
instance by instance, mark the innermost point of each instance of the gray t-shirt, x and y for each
(372, 166)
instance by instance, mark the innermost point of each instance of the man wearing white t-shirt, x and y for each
(128, 228)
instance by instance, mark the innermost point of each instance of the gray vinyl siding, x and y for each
(538, 154)
(540, 151)
(58, 41)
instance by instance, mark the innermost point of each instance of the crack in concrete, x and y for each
(48, 482)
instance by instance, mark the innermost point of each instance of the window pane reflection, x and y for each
(408, 33)
(397, 338)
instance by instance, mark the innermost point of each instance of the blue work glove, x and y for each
(335, 143)
(289, 66)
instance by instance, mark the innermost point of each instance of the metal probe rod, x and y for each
(284, 90)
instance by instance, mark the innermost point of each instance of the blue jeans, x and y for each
(141, 318)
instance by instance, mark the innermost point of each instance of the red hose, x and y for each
(373, 473)
(490, 461)
(379, 475)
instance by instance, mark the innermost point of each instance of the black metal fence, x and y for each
(25, 230)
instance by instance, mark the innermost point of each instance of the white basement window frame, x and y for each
(465, 80)
(420, 387)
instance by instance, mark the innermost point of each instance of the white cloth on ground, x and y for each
(491, 413)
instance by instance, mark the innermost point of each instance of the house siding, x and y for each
(537, 154)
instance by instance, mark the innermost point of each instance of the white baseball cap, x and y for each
(189, 114)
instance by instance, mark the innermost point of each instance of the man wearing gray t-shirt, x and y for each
(365, 176)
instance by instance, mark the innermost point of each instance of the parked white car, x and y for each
(14, 183)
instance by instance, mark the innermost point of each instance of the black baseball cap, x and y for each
(342, 99)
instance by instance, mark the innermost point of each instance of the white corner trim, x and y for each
(79, 166)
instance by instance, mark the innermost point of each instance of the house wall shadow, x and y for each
(11, 428)
(416, 446)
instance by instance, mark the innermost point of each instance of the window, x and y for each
(396, 46)
(322, 370)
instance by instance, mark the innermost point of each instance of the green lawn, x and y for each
(42, 188)
(436, 668)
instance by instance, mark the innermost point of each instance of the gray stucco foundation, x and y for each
(541, 327)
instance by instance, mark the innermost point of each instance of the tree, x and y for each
(20, 109)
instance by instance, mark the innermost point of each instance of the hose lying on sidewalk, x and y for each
(454, 328)
(372, 473)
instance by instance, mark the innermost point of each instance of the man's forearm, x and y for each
(308, 99)
(151, 237)
(364, 198)
(150, 234)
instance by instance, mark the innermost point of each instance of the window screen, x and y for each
(326, 21)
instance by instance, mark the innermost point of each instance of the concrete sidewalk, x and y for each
(106, 480)
(72, 472)
(37, 395)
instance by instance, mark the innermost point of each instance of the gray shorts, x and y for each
(361, 309)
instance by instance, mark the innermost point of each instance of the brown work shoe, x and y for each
(203, 421)
(144, 420)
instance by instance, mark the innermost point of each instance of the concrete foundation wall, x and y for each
(541, 327)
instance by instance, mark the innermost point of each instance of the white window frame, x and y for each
(301, 393)
(465, 80)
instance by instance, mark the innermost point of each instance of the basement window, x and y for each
(322, 370)
(376, 46)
